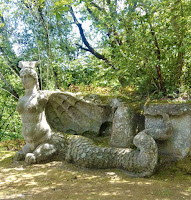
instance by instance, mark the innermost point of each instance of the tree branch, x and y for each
(8, 92)
(109, 29)
(158, 54)
(81, 47)
(97, 20)
(6, 120)
(12, 65)
(10, 88)
(6, 49)
(90, 48)
(98, 7)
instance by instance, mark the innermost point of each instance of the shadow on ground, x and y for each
(61, 180)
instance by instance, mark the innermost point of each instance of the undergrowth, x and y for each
(13, 145)
(126, 94)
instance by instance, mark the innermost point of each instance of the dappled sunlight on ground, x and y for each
(61, 180)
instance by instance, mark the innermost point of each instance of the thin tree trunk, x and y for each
(158, 54)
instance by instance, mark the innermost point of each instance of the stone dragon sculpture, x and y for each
(43, 112)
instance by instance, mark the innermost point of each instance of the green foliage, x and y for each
(142, 45)
(147, 42)
(10, 124)
(15, 144)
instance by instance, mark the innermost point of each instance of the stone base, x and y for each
(179, 145)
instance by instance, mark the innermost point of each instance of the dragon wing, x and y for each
(65, 112)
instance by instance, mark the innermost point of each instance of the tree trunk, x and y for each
(158, 54)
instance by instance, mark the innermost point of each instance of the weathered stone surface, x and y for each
(123, 129)
(140, 162)
(69, 114)
(126, 125)
(66, 112)
(35, 128)
(168, 124)
(179, 144)
(171, 109)
(162, 132)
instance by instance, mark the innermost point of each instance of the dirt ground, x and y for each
(61, 180)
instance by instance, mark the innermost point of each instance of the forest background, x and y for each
(139, 49)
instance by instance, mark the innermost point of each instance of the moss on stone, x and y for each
(57, 180)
